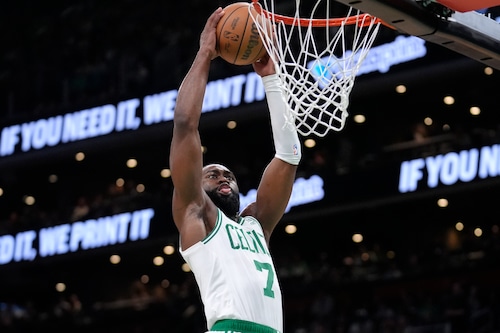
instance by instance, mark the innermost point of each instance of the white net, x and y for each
(317, 62)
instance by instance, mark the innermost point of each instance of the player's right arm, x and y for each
(189, 203)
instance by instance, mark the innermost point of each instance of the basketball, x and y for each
(238, 38)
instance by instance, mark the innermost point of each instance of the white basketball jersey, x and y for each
(235, 274)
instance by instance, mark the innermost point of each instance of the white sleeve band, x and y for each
(286, 139)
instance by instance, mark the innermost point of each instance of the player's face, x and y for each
(221, 186)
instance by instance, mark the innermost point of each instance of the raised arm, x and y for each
(277, 181)
(186, 163)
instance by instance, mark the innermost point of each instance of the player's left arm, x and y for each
(275, 188)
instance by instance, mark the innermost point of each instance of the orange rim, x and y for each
(361, 19)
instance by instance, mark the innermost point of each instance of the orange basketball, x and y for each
(238, 38)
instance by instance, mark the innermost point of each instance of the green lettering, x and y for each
(229, 235)
(256, 238)
(242, 239)
(252, 245)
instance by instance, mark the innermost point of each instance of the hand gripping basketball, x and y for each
(238, 38)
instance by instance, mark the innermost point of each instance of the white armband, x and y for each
(286, 139)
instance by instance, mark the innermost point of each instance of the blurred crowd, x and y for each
(72, 55)
(445, 284)
(67, 56)
(366, 292)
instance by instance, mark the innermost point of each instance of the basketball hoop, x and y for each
(317, 59)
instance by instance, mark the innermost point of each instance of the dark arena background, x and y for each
(393, 224)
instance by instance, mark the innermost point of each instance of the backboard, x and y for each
(454, 24)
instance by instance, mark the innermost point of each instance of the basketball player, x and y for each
(227, 250)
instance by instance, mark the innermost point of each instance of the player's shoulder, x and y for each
(251, 223)
(249, 210)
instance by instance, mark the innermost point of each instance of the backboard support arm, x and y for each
(471, 34)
